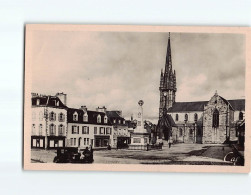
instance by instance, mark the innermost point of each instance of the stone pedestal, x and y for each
(140, 138)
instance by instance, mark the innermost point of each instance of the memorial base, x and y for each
(139, 141)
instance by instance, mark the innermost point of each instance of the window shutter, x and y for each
(78, 129)
(87, 130)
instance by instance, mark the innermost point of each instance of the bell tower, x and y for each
(167, 83)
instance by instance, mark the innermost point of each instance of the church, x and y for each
(211, 121)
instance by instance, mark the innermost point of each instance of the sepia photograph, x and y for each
(164, 98)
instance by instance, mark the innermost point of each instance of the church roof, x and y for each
(238, 104)
(187, 106)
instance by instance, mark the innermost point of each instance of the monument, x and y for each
(140, 136)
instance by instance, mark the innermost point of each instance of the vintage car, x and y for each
(73, 155)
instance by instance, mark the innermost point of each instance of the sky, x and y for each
(117, 69)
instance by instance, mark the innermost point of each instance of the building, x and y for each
(49, 125)
(121, 135)
(212, 121)
(87, 128)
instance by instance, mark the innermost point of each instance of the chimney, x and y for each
(84, 108)
(63, 97)
(103, 109)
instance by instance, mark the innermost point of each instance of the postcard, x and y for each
(137, 98)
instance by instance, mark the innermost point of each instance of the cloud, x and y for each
(117, 69)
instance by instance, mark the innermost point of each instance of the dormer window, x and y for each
(38, 102)
(75, 116)
(85, 117)
(105, 119)
(119, 121)
(57, 103)
(52, 116)
(114, 121)
(123, 121)
(99, 119)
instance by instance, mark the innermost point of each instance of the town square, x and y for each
(161, 130)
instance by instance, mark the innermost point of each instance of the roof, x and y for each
(92, 117)
(113, 114)
(187, 106)
(238, 104)
(50, 101)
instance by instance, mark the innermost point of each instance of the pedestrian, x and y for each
(170, 141)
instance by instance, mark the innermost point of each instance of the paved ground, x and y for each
(193, 154)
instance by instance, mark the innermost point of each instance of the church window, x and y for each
(186, 117)
(177, 117)
(216, 118)
(195, 117)
(241, 116)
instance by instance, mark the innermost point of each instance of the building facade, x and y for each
(121, 134)
(212, 121)
(88, 128)
(49, 124)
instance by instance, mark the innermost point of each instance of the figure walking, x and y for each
(170, 141)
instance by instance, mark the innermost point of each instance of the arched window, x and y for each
(40, 129)
(195, 117)
(176, 117)
(61, 117)
(186, 117)
(52, 116)
(99, 119)
(52, 129)
(85, 117)
(241, 116)
(61, 130)
(216, 118)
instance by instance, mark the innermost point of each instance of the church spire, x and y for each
(168, 66)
